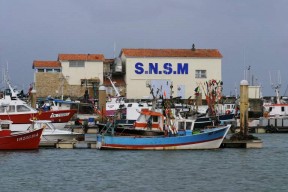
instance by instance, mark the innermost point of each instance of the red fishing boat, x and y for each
(20, 113)
(27, 140)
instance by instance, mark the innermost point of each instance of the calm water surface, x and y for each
(93, 170)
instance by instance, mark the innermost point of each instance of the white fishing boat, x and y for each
(51, 133)
(118, 103)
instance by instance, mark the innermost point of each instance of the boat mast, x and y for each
(276, 86)
(7, 82)
(113, 85)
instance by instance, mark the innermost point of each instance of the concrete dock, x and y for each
(88, 143)
(248, 144)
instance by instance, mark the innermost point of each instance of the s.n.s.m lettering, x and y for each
(166, 68)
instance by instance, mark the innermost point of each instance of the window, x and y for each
(270, 109)
(2, 109)
(76, 64)
(40, 70)
(22, 108)
(49, 70)
(189, 126)
(155, 119)
(57, 70)
(11, 108)
(181, 125)
(200, 74)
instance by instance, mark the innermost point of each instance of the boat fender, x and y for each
(175, 130)
(169, 128)
(172, 129)
(266, 114)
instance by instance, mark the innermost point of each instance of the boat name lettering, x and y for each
(59, 115)
(166, 68)
(27, 137)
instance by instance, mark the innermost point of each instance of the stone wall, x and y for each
(50, 84)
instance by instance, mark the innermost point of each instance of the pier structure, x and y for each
(242, 139)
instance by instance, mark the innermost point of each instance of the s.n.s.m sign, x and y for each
(166, 68)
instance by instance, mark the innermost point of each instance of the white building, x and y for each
(80, 68)
(184, 68)
(70, 75)
(254, 92)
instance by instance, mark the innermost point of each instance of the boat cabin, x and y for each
(154, 120)
(276, 109)
(150, 120)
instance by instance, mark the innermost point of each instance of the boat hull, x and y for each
(21, 121)
(209, 139)
(21, 141)
(61, 137)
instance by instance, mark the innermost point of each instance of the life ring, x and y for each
(227, 112)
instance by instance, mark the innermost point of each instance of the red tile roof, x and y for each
(46, 64)
(171, 53)
(81, 57)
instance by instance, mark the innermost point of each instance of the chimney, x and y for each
(193, 47)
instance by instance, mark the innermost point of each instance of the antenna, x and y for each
(276, 85)
(236, 92)
(245, 73)
(114, 50)
(261, 94)
(285, 93)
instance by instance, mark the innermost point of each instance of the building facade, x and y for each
(70, 75)
(171, 72)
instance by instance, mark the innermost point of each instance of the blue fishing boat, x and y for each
(177, 134)
(207, 139)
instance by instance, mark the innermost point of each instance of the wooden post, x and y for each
(199, 99)
(33, 98)
(102, 100)
(244, 107)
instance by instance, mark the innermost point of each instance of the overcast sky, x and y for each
(247, 32)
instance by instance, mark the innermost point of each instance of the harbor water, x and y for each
(79, 170)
